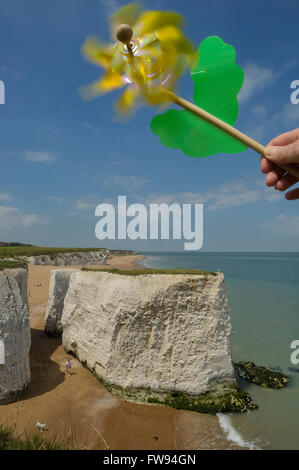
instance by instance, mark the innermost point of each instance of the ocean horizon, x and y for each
(263, 295)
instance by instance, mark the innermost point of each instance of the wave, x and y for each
(232, 434)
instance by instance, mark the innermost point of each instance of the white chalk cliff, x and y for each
(15, 338)
(77, 258)
(59, 283)
(163, 332)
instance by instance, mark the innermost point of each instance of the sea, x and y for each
(263, 293)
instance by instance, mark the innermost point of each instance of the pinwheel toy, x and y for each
(148, 55)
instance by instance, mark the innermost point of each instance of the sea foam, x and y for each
(232, 434)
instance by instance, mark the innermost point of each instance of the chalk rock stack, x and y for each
(14, 335)
(163, 332)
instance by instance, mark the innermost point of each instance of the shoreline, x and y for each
(80, 403)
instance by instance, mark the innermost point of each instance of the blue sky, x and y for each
(60, 157)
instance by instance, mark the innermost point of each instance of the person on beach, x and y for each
(284, 149)
(68, 367)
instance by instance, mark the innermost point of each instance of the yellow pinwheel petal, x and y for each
(117, 63)
(136, 70)
(110, 81)
(127, 100)
(125, 15)
(156, 95)
(151, 20)
(97, 52)
(172, 35)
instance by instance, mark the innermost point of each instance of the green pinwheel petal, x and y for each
(217, 82)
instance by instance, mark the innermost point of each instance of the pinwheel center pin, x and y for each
(124, 34)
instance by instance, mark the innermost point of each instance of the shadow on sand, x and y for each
(45, 373)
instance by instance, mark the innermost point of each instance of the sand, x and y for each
(78, 405)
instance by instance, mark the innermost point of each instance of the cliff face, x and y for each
(80, 258)
(59, 284)
(14, 335)
(163, 332)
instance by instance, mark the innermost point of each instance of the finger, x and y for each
(266, 165)
(292, 195)
(283, 155)
(274, 176)
(286, 138)
(285, 182)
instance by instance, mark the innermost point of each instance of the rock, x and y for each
(14, 335)
(78, 258)
(223, 399)
(59, 283)
(260, 375)
(149, 336)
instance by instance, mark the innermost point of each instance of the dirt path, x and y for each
(81, 406)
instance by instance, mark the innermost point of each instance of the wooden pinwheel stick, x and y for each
(245, 139)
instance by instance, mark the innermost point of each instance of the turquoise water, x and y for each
(263, 292)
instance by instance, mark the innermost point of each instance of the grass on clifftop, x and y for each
(4, 264)
(10, 440)
(141, 272)
(15, 251)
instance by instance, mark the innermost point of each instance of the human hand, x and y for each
(282, 150)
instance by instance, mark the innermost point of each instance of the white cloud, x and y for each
(5, 196)
(269, 126)
(128, 183)
(11, 217)
(255, 79)
(84, 204)
(42, 157)
(259, 111)
(283, 225)
(90, 202)
(13, 73)
(95, 130)
(289, 115)
(230, 194)
(110, 6)
(55, 198)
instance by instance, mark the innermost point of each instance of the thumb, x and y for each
(283, 154)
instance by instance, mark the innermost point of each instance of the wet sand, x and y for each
(80, 406)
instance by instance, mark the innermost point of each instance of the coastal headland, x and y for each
(82, 407)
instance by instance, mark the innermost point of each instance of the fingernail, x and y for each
(269, 152)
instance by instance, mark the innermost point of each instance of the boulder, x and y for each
(260, 375)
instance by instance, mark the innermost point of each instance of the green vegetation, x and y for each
(10, 440)
(5, 264)
(16, 251)
(141, 272)
(260, 375)
(225, 398)
(231, 399)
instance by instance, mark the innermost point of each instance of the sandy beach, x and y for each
(79, 405)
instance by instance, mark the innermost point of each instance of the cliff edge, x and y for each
(76, 258)
(15, 338)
